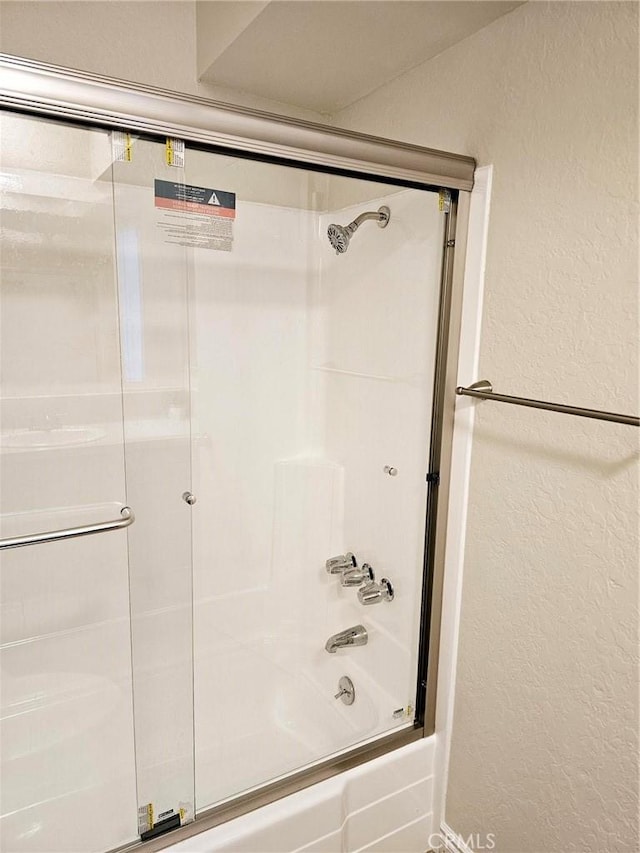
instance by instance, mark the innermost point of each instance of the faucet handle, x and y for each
(347, 691)
(341, 563)
(355, 577)
(373, 593)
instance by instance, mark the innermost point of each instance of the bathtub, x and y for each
(385, 805)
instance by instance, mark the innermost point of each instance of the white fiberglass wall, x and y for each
(381, 304)
(314, 371)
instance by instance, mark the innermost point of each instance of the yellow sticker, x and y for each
(444, 201)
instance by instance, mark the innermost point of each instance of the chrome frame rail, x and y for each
(128, 517)
(440, 455)
(484, 391)
(65, 93)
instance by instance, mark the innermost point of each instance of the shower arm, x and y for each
(370, 214)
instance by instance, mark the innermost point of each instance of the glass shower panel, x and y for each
(154, 323)
(68, 766)
(312, 385)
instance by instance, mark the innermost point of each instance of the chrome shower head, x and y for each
(340, 235)
(339, 238)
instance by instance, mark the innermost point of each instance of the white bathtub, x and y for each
(385, 805)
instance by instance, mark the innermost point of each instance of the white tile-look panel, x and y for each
(331, 843)
(411, 838)
(321, 818)
(393, 772)
(384, 816)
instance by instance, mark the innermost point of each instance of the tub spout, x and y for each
(356, 636)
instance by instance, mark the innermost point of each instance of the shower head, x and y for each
(340, 235)
(339, 238)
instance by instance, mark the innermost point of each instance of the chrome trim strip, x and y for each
(484, 391)
(455, 250)
(51, 90)
(127, 518)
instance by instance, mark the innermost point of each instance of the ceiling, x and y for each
(325, 54)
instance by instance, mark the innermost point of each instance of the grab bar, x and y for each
(127, 518)
(484, 390)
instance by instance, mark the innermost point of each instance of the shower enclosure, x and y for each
(230, 410)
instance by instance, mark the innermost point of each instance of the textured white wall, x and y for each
(147, 41)
(544, 750)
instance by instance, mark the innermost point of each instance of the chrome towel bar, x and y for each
(484, 391)
(127, 518)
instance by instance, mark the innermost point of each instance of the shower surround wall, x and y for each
(310, 375)
(251, 390)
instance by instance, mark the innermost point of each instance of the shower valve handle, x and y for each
(374, 593)
(342, 563)
(356, 577)
(346, 692)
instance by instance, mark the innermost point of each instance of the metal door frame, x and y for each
(65, 94)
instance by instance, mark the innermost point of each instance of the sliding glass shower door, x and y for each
(312, 392)
(97, 676)
(181, 337)
(152, 276)
(67, 744)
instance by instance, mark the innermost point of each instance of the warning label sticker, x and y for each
(195, 216)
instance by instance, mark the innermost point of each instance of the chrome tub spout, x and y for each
(356, 636)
